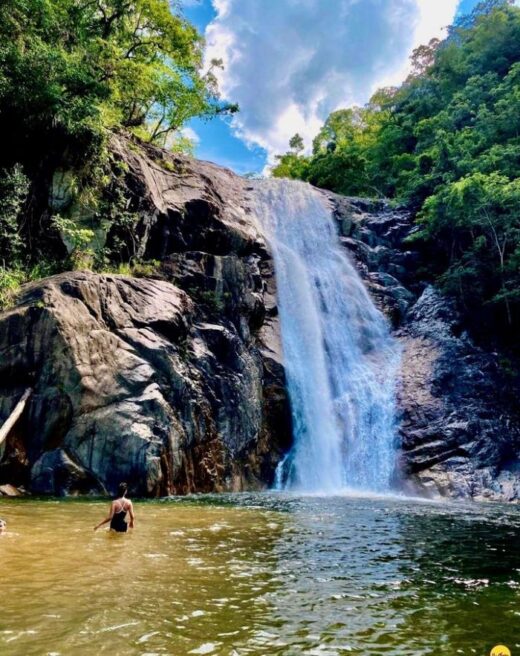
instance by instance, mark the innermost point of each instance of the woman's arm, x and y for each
(107, 519)
(131, 513)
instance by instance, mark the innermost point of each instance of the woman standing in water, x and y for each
(118, 510)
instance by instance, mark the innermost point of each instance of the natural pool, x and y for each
(260, 574)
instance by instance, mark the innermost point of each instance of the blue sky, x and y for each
(290, 62)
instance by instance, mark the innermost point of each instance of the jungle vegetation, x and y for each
(447, 144)
(71, 73)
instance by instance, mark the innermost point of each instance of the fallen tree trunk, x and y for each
(15, 415)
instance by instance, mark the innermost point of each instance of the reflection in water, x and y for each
(400, 577)
(189, 577)
(467, 576)
(261, 574)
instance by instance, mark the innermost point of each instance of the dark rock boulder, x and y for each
(460, 428)
(130, 385)
(184, 204)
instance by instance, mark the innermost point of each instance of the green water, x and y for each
(260, 574)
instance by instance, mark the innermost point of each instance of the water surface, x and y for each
(260, 574)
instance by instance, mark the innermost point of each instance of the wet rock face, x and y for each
(130, 385)
(459, 421)
(460, 428)
(374, 232)
(174, 384)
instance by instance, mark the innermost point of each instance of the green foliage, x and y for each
(69, 70)
(76, 237)
(339, 161)
(121, 220)
(296, 143)
(10, 282)
(166, 165)
(214, 301)
(478, 214)
(14, 188)
(78, 241)
(12, 279)
(145, 269)
(137, 268)
(459, 124)
(291, 165)
(447, 142)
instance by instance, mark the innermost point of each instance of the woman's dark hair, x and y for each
(122, 489)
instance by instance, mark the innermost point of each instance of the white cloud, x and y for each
(190, 134)
(289, 63)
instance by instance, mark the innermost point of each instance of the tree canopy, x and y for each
(71, 73)
(70, 68)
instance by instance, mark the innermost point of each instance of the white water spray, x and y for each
(340, 358)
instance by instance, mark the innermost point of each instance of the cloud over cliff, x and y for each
(289, 63)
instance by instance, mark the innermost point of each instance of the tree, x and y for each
(291, 165)
(423, 57)
(72, 72)
(14, 187)
(296, 144)
(69, 70)
(478, 216)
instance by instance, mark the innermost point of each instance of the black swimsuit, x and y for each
(117, 523)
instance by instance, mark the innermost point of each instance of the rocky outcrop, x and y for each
(130, 384)
(460, 426)
(173, 383)
(459, 423)
(374, 233)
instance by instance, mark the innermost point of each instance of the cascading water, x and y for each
(341, 361)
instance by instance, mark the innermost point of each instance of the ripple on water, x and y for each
(252, 575)
(205, 648)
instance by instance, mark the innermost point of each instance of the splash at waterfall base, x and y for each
(177, 382)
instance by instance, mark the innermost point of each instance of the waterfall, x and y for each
(340, 358)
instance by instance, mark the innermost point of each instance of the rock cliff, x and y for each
(174, 384)
(175, 381)
(459, 420)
